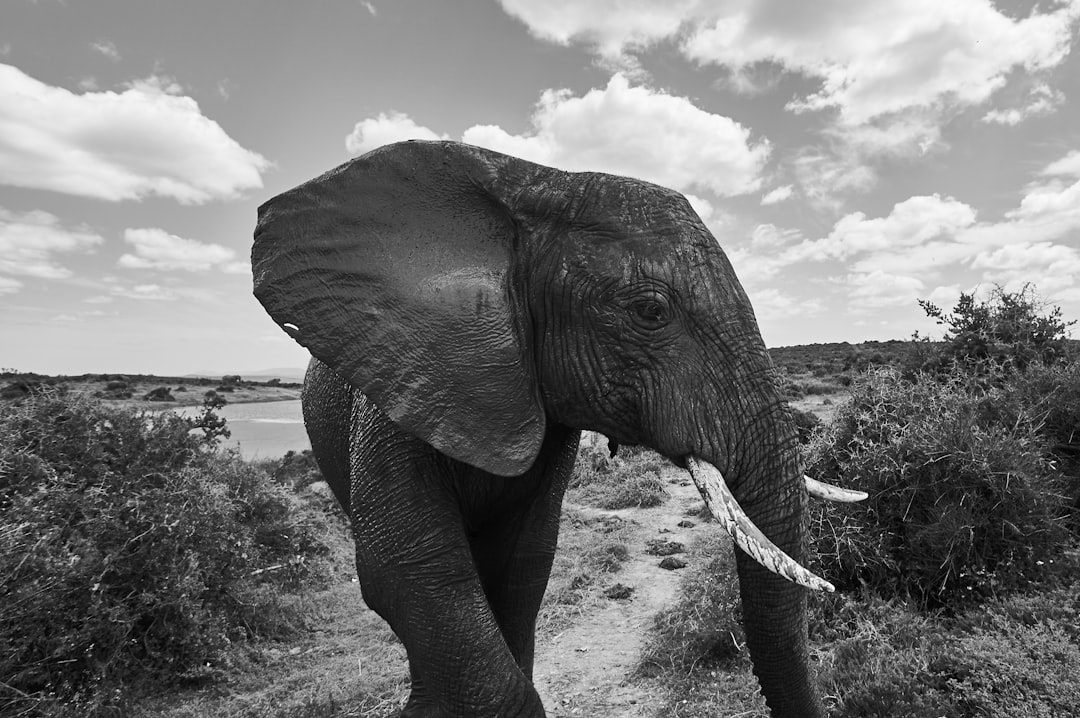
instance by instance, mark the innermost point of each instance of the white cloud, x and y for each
(912, 222)
(889, 74)
(610, 26)
(772, 304)
(386, 129)
(157, 249)
(1043, 101)
(370, 8)
(1069, 165)
(146, 140)
(29, 240)
(9, 285)
(873, 59)
(772, 237)
(638, 132)
(777, 195)
(157, 293)
(882, 289)
(107, 48)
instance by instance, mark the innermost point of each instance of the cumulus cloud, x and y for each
(620, 129)
(107, 48)
(888, 75)
(1069, 166)
(386, 129)
(777, 195)
(638, 132)
(1044, 100)
(912, 222)
(872, 58)
(610, 26)
(157, 249)
(146, 140)
(29, 241)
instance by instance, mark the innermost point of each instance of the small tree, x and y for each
(1006, 332)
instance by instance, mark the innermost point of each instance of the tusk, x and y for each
(748, 537)
(821, 490)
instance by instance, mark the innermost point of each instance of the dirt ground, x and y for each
(585, 670)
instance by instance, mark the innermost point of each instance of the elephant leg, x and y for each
(416, 570)
(514, 555)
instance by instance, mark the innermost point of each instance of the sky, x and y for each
(850, 157)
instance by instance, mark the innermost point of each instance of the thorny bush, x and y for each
(129, 551)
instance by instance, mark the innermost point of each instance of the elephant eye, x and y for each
(651, 312)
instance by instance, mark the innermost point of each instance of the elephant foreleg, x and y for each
(514, 555)
(417, 571)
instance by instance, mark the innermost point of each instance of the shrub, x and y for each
(130, 552)
(1051, 394)
(1007, 332)
(962, 505)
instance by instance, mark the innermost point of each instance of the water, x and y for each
(261, 430)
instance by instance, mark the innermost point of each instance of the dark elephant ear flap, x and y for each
(395, 270)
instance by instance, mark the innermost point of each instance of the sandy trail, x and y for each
(584, 670)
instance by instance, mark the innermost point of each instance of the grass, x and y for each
(630, 479)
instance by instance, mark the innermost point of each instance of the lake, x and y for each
(261, 430)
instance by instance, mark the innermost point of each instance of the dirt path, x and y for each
(584, 670)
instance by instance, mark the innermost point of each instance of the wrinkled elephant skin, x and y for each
(468, 314)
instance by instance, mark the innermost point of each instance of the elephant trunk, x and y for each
(768, 525)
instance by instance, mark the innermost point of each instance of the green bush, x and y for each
(130, 552)
(1051, 394)
(1009, 331)
(1016, 656)
(962, 504)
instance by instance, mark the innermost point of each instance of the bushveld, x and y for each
(142, 572)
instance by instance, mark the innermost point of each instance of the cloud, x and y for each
(29, 240)
(370, 8)
(911, 223)
(1069, 166)
(611, 27)
(777, 195)
(157, 249)
(1044, 100)
(146, 140)
(878, 289)
(620, 129)
(887, 76)
(158, 293)
(107, 48)
(9, 285)
(386, 129)
(638, 132)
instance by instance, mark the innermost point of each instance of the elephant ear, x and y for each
(396, 269)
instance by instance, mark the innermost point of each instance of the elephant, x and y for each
(468, 314)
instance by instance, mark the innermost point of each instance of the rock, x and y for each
(686, 524)
(656, 547)
(672, 562)
(619, 592)
(162, 393)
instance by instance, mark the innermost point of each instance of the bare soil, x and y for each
(587, 670)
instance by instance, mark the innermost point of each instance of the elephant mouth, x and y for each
(748, 537)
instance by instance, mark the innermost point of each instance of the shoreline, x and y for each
(135, 391)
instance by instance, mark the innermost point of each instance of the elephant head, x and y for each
(479, 300)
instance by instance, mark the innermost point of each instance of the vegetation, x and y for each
(629, 479)
(131, 552)
(134, 553)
